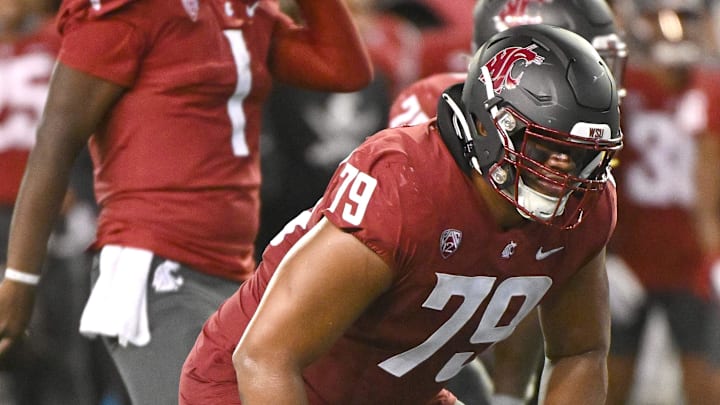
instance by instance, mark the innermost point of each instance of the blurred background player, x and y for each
(668, 230)
(306, 133)
(593, 20)
(443, 27)
(514, 373)
(169, 97)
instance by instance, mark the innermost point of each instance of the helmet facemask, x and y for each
(543, 169)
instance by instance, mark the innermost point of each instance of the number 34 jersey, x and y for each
(664, 127)
(461, 283)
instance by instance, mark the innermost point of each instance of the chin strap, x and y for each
(457, 127)
(489, 92)
(490, 147)
(461, 129)
(455, 131)
(542, 206)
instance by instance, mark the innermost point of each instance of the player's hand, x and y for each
(444, 397)
(16, 304)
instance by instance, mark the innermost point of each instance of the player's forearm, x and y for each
(580, 379)
(37, 207)
(517, 358)
(76, 103)
(330, 22)
(330, 47)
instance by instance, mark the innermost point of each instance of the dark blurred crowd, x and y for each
(307, 133)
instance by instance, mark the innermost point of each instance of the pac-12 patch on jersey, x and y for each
(449, 242)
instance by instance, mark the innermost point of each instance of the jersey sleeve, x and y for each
(376, 195)
(89, 9)
(418, 102)
(101, 41)
(596, 230)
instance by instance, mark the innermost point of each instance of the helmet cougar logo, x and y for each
(515, 13)
(449, 242)
(165, 278)
(500, 66)
(518, 7)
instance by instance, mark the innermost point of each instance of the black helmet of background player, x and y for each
(539, 92)
(591, 19)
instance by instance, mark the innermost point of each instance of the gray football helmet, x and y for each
(540, 92)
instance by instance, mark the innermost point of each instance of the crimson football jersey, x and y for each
(176, 163)
(656, 176)
(418, 102)
(26, 64)
(461, 283)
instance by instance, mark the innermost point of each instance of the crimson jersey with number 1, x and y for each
(461, 283)
(176, 163)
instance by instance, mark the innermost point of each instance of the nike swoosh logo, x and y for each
(540, 255)
(251, 9)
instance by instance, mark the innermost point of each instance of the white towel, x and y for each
(117, 306)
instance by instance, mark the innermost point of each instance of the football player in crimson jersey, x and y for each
(432, 242)
(669, 188)
(169, 95)
(516, 360)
